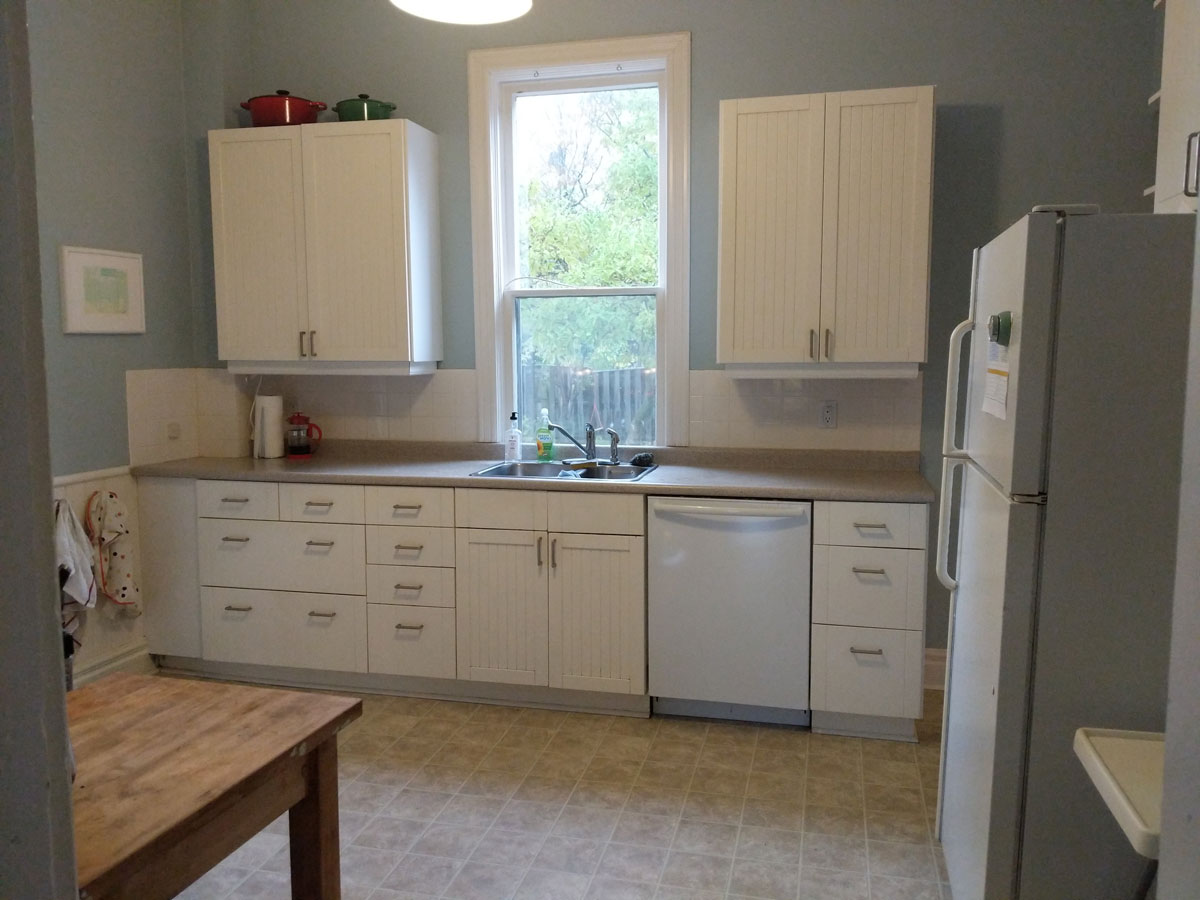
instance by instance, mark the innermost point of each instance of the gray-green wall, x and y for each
(1038, 101)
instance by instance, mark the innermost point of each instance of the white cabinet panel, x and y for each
(400, 545)
(289, 556)
(410, 585)
(321, 503)
(278, 628)
(867, 671)
(485, 508)
(596, 513)
(868, 586)
(501, 605)
(410, 640)
(410, 506)
(237, 499)
(1179, 106)
(597, 613)
(170, 570)
(870, 524)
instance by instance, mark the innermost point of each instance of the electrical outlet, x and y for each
(174, 431)
(828, 415)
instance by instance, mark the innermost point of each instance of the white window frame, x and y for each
(493, 77)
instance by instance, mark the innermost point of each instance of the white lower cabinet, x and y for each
(551, 607)
(867, 671)
(410, 640)
(284, 628)
(289, 556)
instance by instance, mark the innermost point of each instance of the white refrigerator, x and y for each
(1060, 494)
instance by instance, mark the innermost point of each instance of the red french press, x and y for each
(302, 436)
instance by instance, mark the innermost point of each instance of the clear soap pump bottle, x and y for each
(512, 440)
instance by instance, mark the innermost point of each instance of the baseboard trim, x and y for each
(134, 659)
(852, 725)
(935, 669)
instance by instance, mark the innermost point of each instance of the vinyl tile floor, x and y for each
(474, 802)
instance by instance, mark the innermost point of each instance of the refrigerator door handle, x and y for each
(941, 564)
(953, 367)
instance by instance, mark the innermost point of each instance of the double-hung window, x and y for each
(579, 161)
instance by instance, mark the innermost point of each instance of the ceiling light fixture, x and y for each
(466, 12)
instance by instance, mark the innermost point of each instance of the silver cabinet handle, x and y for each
(238, 608)
(400, 626)
(312, 344)
(417, 547)
(302, 353)
(870, 525)
(318, 543)
(324, 503)
(235, 499)
(539, 551)
(319, 615)
(878, 651)
(236, 540)
(1191, 166)
(400, 506)
(828, 343)
(408, 587)
(812, 343)
(858, 570)
(554, 553)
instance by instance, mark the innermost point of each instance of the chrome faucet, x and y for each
(612, 447)
(589, 449)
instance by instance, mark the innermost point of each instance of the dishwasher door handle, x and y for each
(766, 509)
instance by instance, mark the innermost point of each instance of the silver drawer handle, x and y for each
(870, 525)
(318, 543)
(236, 540)
(400, 506)
(878, 651)
(319, 615)
(238, 608)
(860, 571)
(400, 626)
(235, 499)
(417, 547)
(325, 503)
(408, 587)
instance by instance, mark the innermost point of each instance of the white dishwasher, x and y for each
(728, 596)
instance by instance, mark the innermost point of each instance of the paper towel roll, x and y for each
(268, 426)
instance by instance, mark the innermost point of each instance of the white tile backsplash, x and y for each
(206, 406)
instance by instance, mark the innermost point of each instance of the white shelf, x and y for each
(1127, 769)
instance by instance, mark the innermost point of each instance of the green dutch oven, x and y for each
(362, 107)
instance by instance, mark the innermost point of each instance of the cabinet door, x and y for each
(1179, 112)
(875, 250)
(258, 242)
(354, 192)
(598, 613)
(769, 294)
(501, 600)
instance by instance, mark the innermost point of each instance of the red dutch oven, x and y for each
(281, 108)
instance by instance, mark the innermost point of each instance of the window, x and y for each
(579, 158)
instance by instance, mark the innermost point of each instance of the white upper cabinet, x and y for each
(325, 244)
(1179, 109)
(824, 231)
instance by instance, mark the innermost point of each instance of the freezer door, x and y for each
(983, 741)
(1008, 386)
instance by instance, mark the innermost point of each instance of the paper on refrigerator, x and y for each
(995, 386)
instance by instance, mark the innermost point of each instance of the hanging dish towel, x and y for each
(73, 555)
(108, 527)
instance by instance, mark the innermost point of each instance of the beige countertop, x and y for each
(772, 474)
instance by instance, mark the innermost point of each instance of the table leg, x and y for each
(313, 829)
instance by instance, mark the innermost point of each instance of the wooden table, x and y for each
(175, 774)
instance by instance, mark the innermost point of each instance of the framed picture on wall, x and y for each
(102, 291)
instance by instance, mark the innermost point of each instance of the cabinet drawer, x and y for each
(513, 510)
(287, 556)
(867, 671)
(410, 585)
(595, 513)
(410, 506)
(876, 588)
(237, 499)
(321, 503)
(280, 628)
(870, 524)
(410, 640)
(400, 545)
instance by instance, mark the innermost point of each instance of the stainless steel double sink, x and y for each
(603, 472)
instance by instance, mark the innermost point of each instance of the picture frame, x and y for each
(102, 291)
